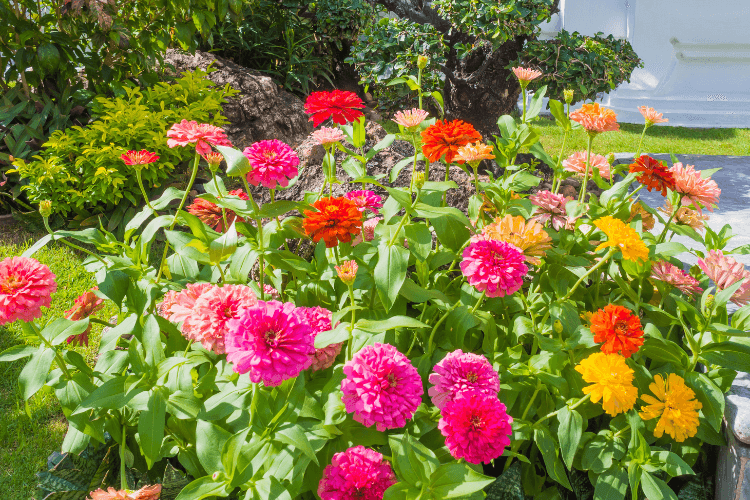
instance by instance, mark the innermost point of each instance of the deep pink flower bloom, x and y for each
(411, 118)
(551, 209)
(494, 267)
(695, 190)
(724, 271)
(141, 157)
(177, 306)
(365, 200)
(272, 341)
(672, 275)
(381, 387)
(341, 106)
(328, 135)
(577, 163)
(202, 135)
(25, 286)
(460, 373)
(319, 320)
(476, 427)
(273, 162)
(83, 306)
(208, 322)
(356, 474)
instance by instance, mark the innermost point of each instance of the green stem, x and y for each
(414, 143)
(523, 89)
(223, 210)
(71, 245)
(123, 478)
(666, 226)
(479, 301)
(60, 361)
(221, 272)
(582, 196)
(336, 254)
(143, 190)
(419, 86)
(476, 180)
(573, 407)
(640, 143)
(517, 444)
(261, 248)
(349, 347)
(440, 322)
(447, 178)
(556, 187)
(599, 264)
(621, 431)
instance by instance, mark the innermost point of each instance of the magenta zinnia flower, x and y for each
(410, 119)
(319, 320)
(208, 322)
(724, 271)
(552, 209)
(577, 163)
(328, 135)
(476, 427)
(695, 190)
(356, 474)
(177, 306)
(672, 275)
(272, 341)
(25, 286)
(365, 200)
(83, 306)
(202, 135)
(273, 162)
(494, 267)
(461, 373)
(381, 387)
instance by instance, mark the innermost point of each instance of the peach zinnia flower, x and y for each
(328, 135)
(25, 286)
(686, 216)
(528, 236)
(145, 493)
(595, 118)
(651, 116)
(209, 320)
(213, 159)
(577, 163)
(347, 271)
(202, 135)
(695, 189)
(410, 119)
(337, 219)
(525, 75)
(474, 153)
(724, 271)
(444, 138)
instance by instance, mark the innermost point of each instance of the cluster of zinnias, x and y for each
(577, 163)
(202, 135)
(273, 163)
(83, 306)
(494, 267)
(356, 474)
(211, 214)
(25, 287)
(336, 220)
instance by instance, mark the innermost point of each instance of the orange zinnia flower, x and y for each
(337, 219)
(654, 174)
(618, 328)
(444, 138)
(595, 118)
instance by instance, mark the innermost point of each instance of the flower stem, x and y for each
(556, 187)
(440, 322)
(666, 226)
(640, 143)
(223, 210)
(60, 361)
(414, 143)
(590, 272)
(479, 302)
(123, 479)
(71, 245)
(350, 347)
(523, 89)
(259, 223)
(582, 196)
(143, 190)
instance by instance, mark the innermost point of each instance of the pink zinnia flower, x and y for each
(202, 135)
(145, 493)
(672, 275)
(328, 135)
(25, 286)
(273, 162)
(319, 320)
(368, 231)
(209, 321)
(526, 74)
(651, 116)
(177, 306)
(494, 267)
(724, 271)
(552, 209)
(365, 200)
(577, 163)
(381, 387)
(476, 427)
(410, 118)
(695, 190)
(141, 157)
(356, 474)
(347, 271)
(271, 340)
(461, 373)
(83, 306)
(271, 291)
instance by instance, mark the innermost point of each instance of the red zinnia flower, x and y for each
(618, 328)
(654, 174)
(141, 157)
(337, 219)
(83, 307)
(445, 138)
(341, 106)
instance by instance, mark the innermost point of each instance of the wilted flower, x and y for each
(25, 286)
(347, 271)
(647, 219)
(337, 220)
(651, 116)
(273, 162)
(443, 138)
(552, 209)
(595, 118)
(577, 163)
(83, 306)
(724, 271)
(341, 106)
(202, 135)
(365, 200)
(623, 237)
(525, 75)
(618, 328)
(356, 474)
(210, 213)
(410, 119)
(675, 407)
(611, 382)
(672, 275)
(494, 267)
(528, 236)
(695, 189)
(461, 373)
(686, 216)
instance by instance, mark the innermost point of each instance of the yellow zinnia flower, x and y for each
(611, 382)
(674, 405)
(529, 237)
(622, 236)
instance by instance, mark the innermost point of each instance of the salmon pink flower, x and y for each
(365, 200)
(551, 209)
(410, 119)
(494, 267)
(208, 322)
(213, 159)
(368, 231)
(651, 116)
(142, 157)
(328, 135)
(319, 320)
(210, 213)
(356, 474)
(25, 286)
(525, 75)
(341, 106)
(673, 276)
(460, 373)
(595, 118)
(347, 271)
(202, 135)
(577, 163)
(273, 162)
(177, 306)
(145, 493)
(695, 189)
(724, 271)
(83, 306)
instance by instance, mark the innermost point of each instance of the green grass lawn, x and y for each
(28, 434)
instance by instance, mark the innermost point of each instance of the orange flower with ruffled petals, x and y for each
(595, 118)
(337, 220)
(653, 174)
(618, 328)
(444, 138)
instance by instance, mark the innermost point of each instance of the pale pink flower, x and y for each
(209, 321)
(411, 118)
(552, 209)
(526, 74)
(328, 135)
(368, 231)
(476, 427)
(273, 162)
(672, 275)
(366, 200)
(202, 135)
(272, 341)
(356, 474)
(319, 320)
(651, 116)
(381, 387)
(577, 163)
(271, 291)
(494, 267)
(145, 493)
(25, 286)
(177, 306)
(83, 306)
(695, 190)
(724, 271)
(460, 373)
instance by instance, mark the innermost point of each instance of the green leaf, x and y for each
(152, 346)
(210, 440)
(569, 432)
(601, 452)
(232, 449)
(420, 241)
(673, 464)
(34, 373)
(390, 272)
(277, 208)
(60, 329)
(558, 111)
(224, 246)
(536, 102)
(710, 397)
(243, 261)
(454, 480)
(237, 163)
(723, 296)
(666, 351)
(296, 437)
(611, 484)
(546, 445)
(732, 355)
(151, 426)
(204, 487)
(656, 489)
(618, 191)
(451, 233)
(412, 461)
(17, 352)
(378, 326)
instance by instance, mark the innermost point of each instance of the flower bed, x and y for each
(422, 352)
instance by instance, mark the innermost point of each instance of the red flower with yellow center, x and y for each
(444, 138)
(142, 157)
(341, 106)
(618, 328)
(337, 219)
(654, 174)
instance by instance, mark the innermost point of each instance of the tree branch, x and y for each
(416, 11)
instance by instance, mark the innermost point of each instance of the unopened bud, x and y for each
(347, 271)
(45, 208)
(557, 326)
(422, 62)
(419, 180)
(217, 476)
(710, 302)
(214, 160)
(568, 95)
(611, 158)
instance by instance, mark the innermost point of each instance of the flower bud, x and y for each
(419, 180)
(611, 158)
(710, 302)
(347, 271)
(213, 159)
(568, 95)
(558, 327)
(422, 62)
(45, 208)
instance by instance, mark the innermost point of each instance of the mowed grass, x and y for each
(30, 433)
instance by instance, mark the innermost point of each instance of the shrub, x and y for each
(80, 169)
